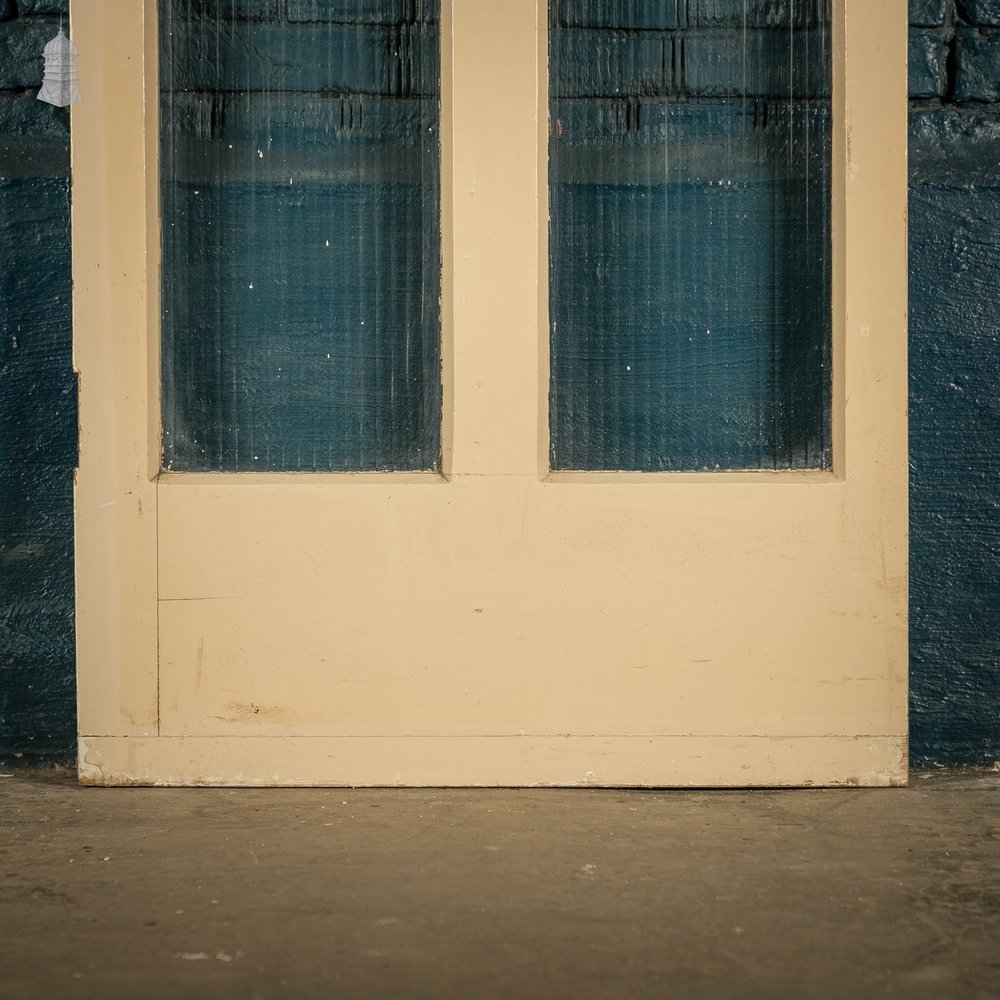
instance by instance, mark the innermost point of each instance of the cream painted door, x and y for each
(494, 623)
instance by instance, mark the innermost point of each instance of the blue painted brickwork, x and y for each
(37, 399)
(928, 69)
(955, 382)
(955, 386)
(979, 11)
(41, 6)
(928, 13)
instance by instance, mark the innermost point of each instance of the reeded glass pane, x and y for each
(301, 242)
(690, 234)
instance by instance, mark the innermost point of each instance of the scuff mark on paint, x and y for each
(199, 659)
(244, 712)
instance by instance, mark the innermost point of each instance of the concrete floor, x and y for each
(149, 893)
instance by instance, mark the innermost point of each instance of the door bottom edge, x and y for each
(487, 762)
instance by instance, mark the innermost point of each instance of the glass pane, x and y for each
(301, 241)
(690, 167)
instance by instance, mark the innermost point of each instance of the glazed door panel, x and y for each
(487, 610)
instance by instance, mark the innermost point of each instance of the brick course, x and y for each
(928, 13)
(927, 63)
(43, 6)
(21, 44)
(979, 11)
(977, 64)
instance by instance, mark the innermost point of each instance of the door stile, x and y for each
(115, 322)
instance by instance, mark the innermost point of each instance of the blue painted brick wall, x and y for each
(955, 384)
(928, 67)
(928, 13)
(37, 398)
(979, 11)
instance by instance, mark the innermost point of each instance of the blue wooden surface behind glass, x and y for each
(301, 260)
(690, 286)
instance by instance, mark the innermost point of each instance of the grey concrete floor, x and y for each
(150, 893)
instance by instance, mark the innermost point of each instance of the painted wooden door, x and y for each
(531, 583)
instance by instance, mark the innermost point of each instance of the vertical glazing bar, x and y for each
(838, 220)
(543, 130)
(495, 222)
